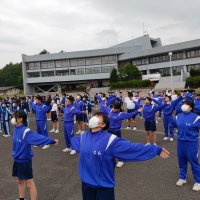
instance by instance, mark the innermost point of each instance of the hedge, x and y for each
(193, 82)
(132, 84)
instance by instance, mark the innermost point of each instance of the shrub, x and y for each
(132, 84)
(193, 82)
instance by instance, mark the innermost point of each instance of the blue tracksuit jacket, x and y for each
(98, 152)
(150, 110)
(23, 138)
(40, 111)
(197, 106)
(188, 125)
(69, 112)
(116, 118)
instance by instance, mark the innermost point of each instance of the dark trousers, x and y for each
(101, 193)
(117, 133)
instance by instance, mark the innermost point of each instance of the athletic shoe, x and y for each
(181, 182)
(155, 144)
(35, 146)
(74, 122)
(171, 139)
(134, 128)
(87, 124)
(128, 128)
(67, 150)
(72, 152)
(52, 131)
(120, 164)
(141, 117)
(45, 147)
(196, 187)
(5, 135)
(57, 131)
(165, 138)
(78, 132)
(159, 118)
(48, 119)
(176, 130)
(148, 143)
(156, 121)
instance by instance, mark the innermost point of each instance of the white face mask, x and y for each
(13, 121)
(94, 122)
(185, 108)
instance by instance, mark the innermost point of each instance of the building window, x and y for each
(62, 73)
(93, 70)
(33, 66)
(108, 59)
(196, 67)
(93, 61)
(80, 71)
(61, 63)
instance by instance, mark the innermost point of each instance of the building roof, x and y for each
(161, 50)
(7, 88)
(134, 45)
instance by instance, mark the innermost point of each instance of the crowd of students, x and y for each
(102, 143)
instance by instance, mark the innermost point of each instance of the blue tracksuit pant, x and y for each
(1, 126)
(42, 128)
(167, 120)
(188, 152)
(99, 193)
(6, 127)
(68, 133)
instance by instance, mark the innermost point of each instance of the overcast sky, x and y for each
(28, 26)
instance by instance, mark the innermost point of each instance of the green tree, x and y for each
(11, 75)
(114, 76)
(129, 72)
(44, 51)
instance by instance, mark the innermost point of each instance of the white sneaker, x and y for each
(74, 122)
(48, 119)
(5, 135)
(165, 138)
(156, 121)
(35, 146)
(57, 131)
(67, 150)
(171, 139)
(155, 144)
(52, 131)
(159, 118)
(72, 152)
(128, 128)
(78, 132)
(181, 182)
(45, 147)
(141, 117)
(148, 143)
(87, 124)
(134, 128)
(196, 187)
(120, 164)
(176, 130)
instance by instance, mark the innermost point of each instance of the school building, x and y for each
(83, 70)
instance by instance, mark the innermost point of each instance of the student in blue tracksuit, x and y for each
(98, 150)
(188, 124)
(22, 154)
(197, 104)
(149, 111)
(40, 114)
(5, 118)
(79, 117)
(116, 117)
(69, 112)
(168, 116)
